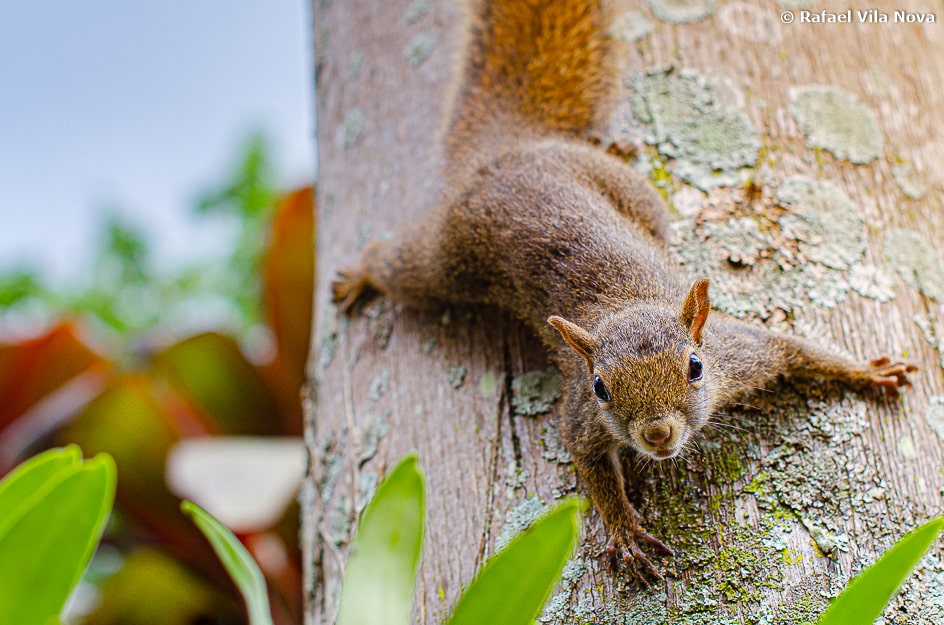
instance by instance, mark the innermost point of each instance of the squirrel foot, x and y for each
(889, 376)
(625, 546)
(347, 288)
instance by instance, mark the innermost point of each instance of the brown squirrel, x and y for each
(536, 221)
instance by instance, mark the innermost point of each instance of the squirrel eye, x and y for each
(695, 368)
(599, 389)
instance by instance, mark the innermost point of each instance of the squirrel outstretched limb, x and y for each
(571, 240)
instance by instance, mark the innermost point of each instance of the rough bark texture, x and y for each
(805, 240)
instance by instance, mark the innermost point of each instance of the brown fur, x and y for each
(531, 68)
(542, 224)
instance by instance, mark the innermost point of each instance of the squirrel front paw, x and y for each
(347, 288)
(889, 376)
(624, 545)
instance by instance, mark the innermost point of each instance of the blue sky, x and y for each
(137, 107)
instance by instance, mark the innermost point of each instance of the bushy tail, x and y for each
(532, 66)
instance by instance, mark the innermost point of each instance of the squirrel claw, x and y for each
(641, 567)
(655, 542)
(346, 289)
(889, 376)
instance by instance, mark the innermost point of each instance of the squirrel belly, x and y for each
(572, 241)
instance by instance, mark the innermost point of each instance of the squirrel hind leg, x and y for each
(630, 193)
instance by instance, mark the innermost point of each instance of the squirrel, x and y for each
(571, 240)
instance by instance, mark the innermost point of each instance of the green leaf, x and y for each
(237, 561)
(47, 544)
(30, 478)
(19, 284)
(250, 190)
(125, 251)
(515, 583)
(381, 570)
(209, 370)
(865, 598)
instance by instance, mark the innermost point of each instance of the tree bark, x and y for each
(792, 492)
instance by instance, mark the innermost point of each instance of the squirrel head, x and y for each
(647, 372)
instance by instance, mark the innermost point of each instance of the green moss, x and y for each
(739, 257)
(630, 26)
(328, 348)
(757, 485)
(749, 22)
(519, 519)
(660, 178)
(823, 220)
(741, 238)
(908, 181)
(339, 521)
(554, 449)
(535, 392)
(416, 11)
(734, 292)
(933, 335)
(687, 201)
(906, 447)
(711, 150)
(709, 142)
(921, 599)
(805, 606)
(354, 121)
(419, 48)
(682, 11)
(645, 608)
(725, 570)
(559, 605)
(833, 119)
(824, 288)
(379, 385)
(935, 414)
(872, 281)
(488, 384)
(727, 466)
(678, 516)
(372, 433)
(356, 64)
(916, 261)
(366, 487)
(456, 377)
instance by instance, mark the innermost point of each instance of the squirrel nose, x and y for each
(658, 434)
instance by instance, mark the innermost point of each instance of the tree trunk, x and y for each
(791, 493)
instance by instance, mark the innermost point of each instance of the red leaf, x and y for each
(288, 283)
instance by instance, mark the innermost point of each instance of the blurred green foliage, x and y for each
(215, 348)
(125, 295)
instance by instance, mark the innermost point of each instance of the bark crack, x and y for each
(502, 408)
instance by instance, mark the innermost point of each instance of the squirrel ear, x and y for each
(578, 338)
(695, 309)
